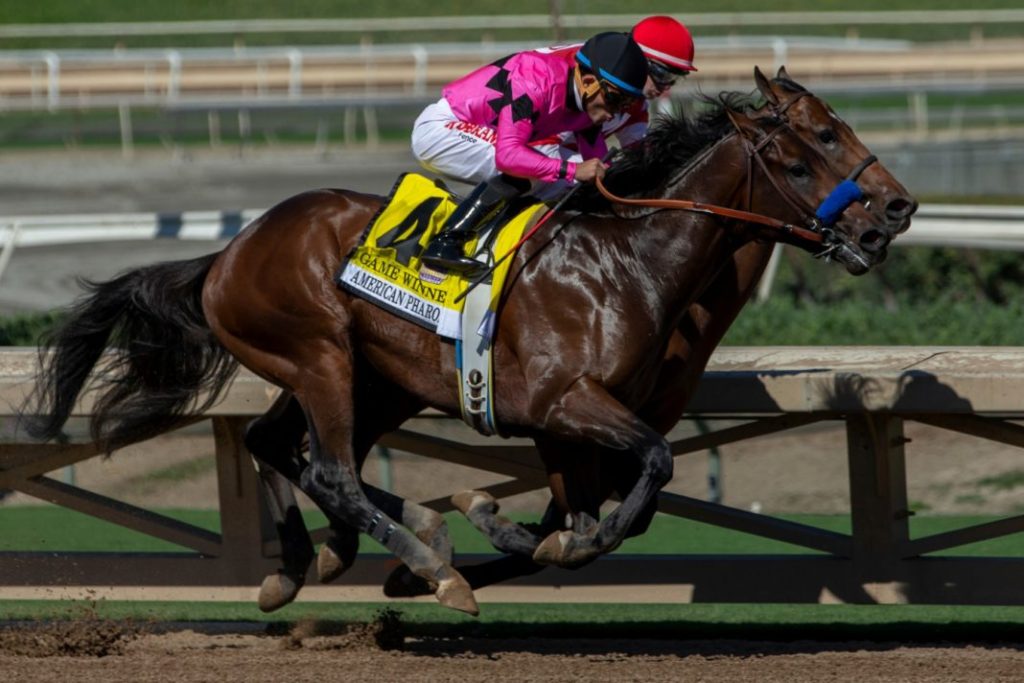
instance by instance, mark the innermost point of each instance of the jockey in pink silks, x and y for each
(668, 46)
(481, 129)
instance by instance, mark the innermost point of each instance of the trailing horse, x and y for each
(609, 316)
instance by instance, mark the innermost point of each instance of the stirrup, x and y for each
(447, 253)
(462, 265)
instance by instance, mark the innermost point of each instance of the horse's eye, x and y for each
(827, 137)
(799, 171)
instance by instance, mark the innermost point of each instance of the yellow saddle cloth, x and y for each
(385, 267)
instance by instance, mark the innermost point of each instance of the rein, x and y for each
(820, 223)
(712, 209)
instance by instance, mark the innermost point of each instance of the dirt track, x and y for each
(379, 652)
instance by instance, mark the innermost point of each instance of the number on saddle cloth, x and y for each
(385, 268)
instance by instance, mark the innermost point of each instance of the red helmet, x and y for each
(665, 40)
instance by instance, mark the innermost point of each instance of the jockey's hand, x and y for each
(590, 170)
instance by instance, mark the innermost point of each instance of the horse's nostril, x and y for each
(874, 241)
(899, 208)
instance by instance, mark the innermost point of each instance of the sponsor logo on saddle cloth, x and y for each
(385, 267)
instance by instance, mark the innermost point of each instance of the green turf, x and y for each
(50, 528)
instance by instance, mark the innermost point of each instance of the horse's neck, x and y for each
(687, 249)
(703, 179)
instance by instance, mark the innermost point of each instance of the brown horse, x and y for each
(607, 314)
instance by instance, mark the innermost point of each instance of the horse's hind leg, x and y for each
(428, 525)
(275, 440)
(382, 406)
(332, 479)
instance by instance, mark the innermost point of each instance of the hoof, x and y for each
(552, 548)
(276, 591)
(329, 564)
(455, 593)
(566, 549)
(467, 501)
(402, 583)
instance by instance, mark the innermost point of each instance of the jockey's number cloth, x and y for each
(385, 267)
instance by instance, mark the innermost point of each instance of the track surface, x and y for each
(103, 654)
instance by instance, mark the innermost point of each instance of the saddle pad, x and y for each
(384, 268)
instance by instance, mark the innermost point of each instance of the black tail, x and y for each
(162, 355)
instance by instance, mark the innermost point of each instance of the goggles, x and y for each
(662, 76)
(614, 99)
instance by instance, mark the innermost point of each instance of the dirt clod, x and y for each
(69, 638)
(385, 632)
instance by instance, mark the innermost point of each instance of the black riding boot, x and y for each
(447, 251)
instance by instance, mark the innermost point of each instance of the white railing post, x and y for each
(372, 132)
(173, 74)
(764, 287)
(9, 244)
(780, 53)
(294, 73)
(124, 115)
(52, 80)
(420, 57)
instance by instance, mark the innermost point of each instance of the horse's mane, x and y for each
(671, 142)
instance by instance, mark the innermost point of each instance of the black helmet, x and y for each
(616, 59)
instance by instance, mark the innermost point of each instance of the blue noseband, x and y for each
(847, 192)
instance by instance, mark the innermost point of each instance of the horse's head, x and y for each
(806, 152)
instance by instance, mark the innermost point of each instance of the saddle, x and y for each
(384, 268)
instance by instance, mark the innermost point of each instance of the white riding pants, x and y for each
(464, 152)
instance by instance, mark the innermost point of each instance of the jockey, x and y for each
(481, 129)
(668, 46)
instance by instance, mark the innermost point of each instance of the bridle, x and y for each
(818, 228)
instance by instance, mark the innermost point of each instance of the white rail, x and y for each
(965, 17)
(981, 227)
(368, 74)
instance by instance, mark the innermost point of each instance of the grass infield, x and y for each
(50, 528)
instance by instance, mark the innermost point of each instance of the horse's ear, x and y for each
(765, 86)
(783, 74)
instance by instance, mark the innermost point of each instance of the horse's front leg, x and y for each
(574, 479)
(402, 583)
(578, 490)
(481, 509)
(587, 410)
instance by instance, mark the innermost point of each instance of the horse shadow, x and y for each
(671, 639)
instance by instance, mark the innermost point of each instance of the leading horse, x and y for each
(596, 315)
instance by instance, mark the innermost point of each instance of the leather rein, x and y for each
(715, 210)
(816, 233)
